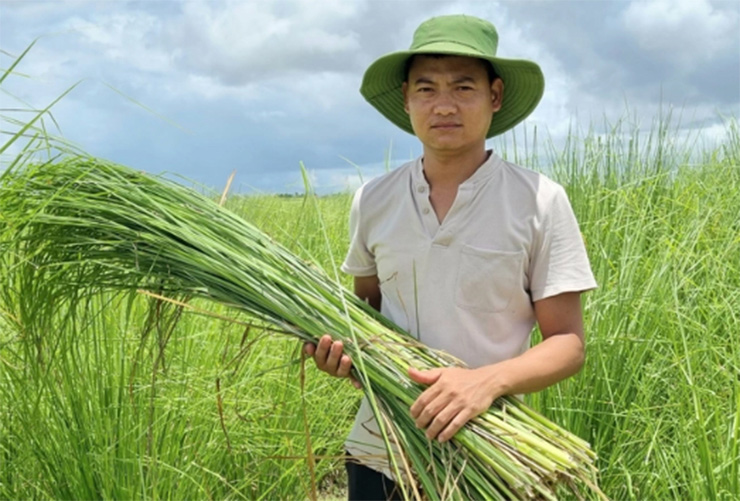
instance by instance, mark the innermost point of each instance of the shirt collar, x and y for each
(479, 177)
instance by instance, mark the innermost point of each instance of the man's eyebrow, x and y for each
(423, 80)
(464, 79)
(458, 80)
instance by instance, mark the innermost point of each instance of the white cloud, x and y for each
(234, 49)
(682, 31)
(711, 137)
(518, 40)
(195, 86)
(345, 179)
(131, 37)
(278, 79)
(239, 42)
(263, 116)
(44, 9)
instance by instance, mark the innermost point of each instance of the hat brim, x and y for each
(523, 80)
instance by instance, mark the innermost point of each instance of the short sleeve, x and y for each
(559, 261)
(359, 262)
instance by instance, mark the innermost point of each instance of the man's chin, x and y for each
(450, 145)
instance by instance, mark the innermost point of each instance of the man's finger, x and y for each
(430, 412)
(345, 365)
(424, 399)
(322, 350)
(425, 377)
(334, 358)
(309, 349)
(455, 425)
(441, 420)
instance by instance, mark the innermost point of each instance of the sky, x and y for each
(202, 88)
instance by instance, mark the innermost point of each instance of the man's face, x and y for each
(451, 102)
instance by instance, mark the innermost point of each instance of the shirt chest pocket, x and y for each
(487, 279)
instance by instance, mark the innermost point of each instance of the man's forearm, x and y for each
(455, 395)
(554, 359)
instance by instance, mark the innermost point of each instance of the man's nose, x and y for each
(445, 104)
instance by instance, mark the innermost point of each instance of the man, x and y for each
(462, 249)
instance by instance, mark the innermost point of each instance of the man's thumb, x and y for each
(425, 377)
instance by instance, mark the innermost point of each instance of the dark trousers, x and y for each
(366, 484)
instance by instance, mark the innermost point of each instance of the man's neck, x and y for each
(450, 170)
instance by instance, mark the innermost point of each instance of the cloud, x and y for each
(261, 85)
(601, 68)
(29, 12)
(684, 32)
(241, 42)
(132, 38)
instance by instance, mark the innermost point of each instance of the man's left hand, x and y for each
(454, 397)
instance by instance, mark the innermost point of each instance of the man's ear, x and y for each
(405, 91)
(497, 94)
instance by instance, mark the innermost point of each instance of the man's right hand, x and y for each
(329, 357)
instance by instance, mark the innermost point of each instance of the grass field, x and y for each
(124, 396)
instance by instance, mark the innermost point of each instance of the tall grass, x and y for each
(135, 404)
(149, 400)
(95, 415)
(659, 397)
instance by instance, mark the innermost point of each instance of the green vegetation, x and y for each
(78, 226)
(150, 399)
(659, 397)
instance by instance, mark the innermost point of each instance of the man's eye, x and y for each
(465, 87)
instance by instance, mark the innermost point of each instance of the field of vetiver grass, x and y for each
(125, 395)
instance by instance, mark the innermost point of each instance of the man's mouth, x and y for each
(446, 125)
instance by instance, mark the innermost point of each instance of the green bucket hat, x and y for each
(456, 35)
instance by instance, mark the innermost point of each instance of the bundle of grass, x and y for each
(118, 228)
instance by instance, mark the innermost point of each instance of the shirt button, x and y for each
(425, 210)
(421, 189)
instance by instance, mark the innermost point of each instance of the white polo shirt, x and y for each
(467, 285)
